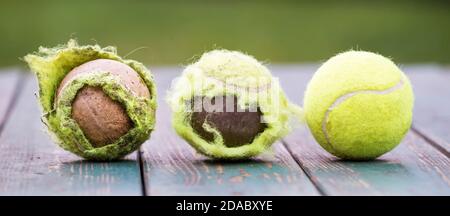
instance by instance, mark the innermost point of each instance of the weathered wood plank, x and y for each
(9, 79)
(172, 167)
(31, 164)
(413, 168)
(431, 112)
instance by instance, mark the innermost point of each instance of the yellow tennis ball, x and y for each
(358, 105)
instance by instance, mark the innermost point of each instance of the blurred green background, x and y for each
(174, 32)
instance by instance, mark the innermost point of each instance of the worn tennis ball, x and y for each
(96, 104)
(359, 105)
(227, 105)
(102, 119)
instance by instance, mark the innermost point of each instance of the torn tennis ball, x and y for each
(96, 104)
(227, 105)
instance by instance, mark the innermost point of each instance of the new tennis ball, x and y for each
(97, 105)
(358, 105)
(227, 105)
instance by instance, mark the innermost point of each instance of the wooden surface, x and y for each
(432, 116)
(172, 167)
(31, 164)
(9, 81)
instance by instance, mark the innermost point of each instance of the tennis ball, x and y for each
(227, 105)
(96, 104)
(102, 119)
(358, 105)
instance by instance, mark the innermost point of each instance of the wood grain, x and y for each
(413, 168)
(432, 105)
(172, 167)
(31, 164)
(9, 79)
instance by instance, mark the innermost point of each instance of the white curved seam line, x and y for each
(344, 97)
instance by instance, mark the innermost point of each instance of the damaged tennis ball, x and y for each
(359, 105)
(227, 105)
(96, 104)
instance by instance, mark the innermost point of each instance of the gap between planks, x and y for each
(431, 139)
(172, 167)
(412, 168)
(143, 177)
(431, 117)
(305, 169)
(34, 165)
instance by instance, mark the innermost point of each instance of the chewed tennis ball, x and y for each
(227, 105)
(358, 105)
(102, 119)
(98, 105)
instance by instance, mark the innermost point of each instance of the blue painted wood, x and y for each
(31, 164)
(432, 105)
(413, 168)
(172, 167)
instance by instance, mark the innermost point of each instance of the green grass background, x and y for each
(273, 31)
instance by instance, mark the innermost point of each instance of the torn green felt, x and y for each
(51, 65)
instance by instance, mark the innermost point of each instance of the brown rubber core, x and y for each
(237, 128)
(102, 119)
